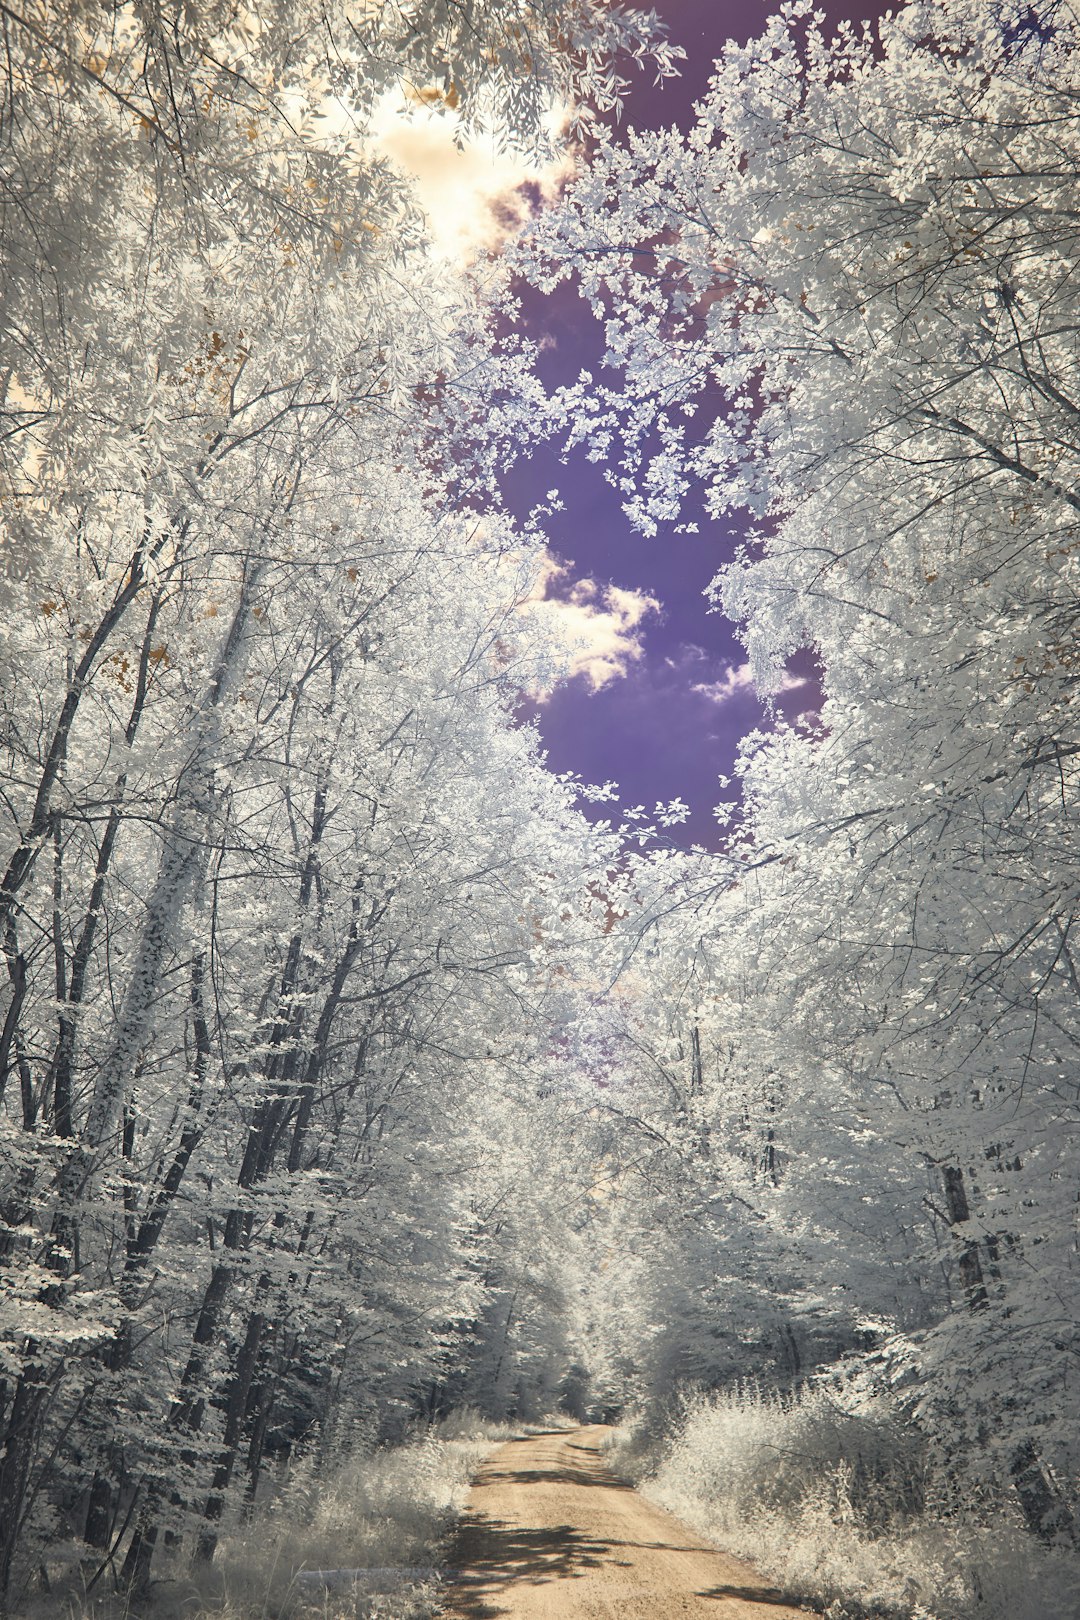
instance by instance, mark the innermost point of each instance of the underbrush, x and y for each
(842, 1509)
(362, 1541)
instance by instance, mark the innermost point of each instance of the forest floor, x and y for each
(552, 1534)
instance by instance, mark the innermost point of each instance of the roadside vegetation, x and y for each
(835, 1498)
(362, 1539)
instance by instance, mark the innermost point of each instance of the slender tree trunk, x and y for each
(236, 1410)
(968, 1260)
(16, 1459)
(1045, 1514)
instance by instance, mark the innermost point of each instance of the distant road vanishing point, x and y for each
(551, 1534)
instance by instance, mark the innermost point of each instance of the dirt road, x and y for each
(552, 1535)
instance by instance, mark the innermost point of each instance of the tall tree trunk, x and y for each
(1045, 1514)
(236, 1410)
(16, 1459)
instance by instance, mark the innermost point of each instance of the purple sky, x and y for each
(651, 731)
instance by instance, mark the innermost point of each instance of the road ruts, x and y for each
(551, 1534)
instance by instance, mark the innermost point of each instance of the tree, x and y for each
(842, 305)
(275, 856)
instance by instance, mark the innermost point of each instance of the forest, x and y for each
(364, 1081)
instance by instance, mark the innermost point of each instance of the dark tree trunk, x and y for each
(1045, 1514)
(16, 1462)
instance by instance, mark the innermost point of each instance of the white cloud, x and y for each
(466, 184)
(596, 626)
(737, 678)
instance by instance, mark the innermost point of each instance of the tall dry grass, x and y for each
(843, 1508)
(361, 1540)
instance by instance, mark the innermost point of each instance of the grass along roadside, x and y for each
(842, 1509)
(362, 1541)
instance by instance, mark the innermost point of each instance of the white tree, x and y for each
(275, 858)
(843, 304)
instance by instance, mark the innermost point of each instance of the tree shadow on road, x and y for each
(550, 1476)
(590, 1472)
(492, 1557)
(765, 1595)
